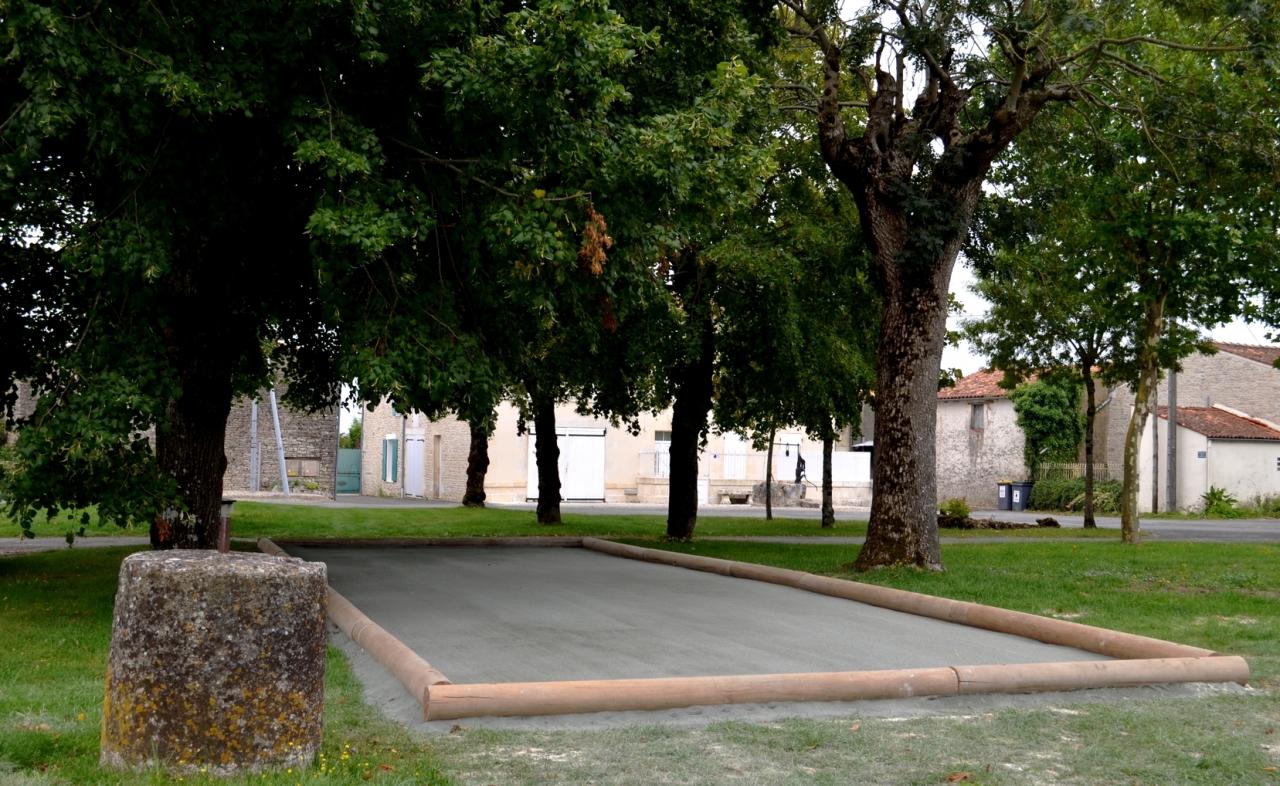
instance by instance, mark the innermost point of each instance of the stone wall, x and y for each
(310, 448)
(972, 461)
(381, 422)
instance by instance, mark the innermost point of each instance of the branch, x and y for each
(449, 164)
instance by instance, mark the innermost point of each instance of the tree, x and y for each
(150, 184)
(572, 137)
(353, 437)
(1051, 309)
(798, 313)
(1154, 220)
(1048, 413)
(916, 168)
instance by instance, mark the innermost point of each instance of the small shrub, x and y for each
(957, 507)
(1068, 494)
(1218, 504)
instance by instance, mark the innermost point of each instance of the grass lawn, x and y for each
(55, 617)
(258, 519)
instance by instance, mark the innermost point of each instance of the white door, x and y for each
(415, 446)
(581, 464)
(735, 456)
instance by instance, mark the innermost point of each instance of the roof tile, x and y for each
(980, 384)
(1258, 353)
(1219, 424)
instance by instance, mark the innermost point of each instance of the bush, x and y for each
(1068, 494)
(1218, 504)
(957, 507)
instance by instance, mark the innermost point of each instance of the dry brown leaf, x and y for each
(957, 777)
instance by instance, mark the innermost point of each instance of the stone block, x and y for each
(785, 495)
(216, 663)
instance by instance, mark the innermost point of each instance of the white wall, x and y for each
(1244, 468)
(1191, 468)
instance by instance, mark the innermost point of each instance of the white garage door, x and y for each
(581, 464)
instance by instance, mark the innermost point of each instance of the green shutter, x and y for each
(395, 460)
(384, 459)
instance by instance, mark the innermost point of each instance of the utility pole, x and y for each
(1171, 458)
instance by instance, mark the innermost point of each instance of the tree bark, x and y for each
(904, 526)
(547, 453)
(692, 402)
(828, 506)
(477, 465)
(1090, 416)
(1152, 322)
(190, 447)
(768, 477)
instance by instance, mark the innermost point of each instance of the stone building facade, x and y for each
(310, 448)
(409, 455)
(979, 442)
(599, 461)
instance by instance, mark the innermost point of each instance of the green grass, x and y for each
(55, 617)
(56, 608)
(257, 519)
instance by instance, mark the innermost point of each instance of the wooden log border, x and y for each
(1140, 660)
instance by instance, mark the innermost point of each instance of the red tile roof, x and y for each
(1258, 353)
(1215, 423)
(980, 384)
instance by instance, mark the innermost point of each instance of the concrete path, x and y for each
(512, 614)
(537, 614)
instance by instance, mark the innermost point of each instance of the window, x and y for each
(977, 417)
(390, 458)
(662, 436)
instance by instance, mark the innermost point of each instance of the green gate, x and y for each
(348, 470)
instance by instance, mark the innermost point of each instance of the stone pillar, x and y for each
(216, 664)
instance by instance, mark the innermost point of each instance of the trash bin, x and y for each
(1019, 495)
(1002, 496)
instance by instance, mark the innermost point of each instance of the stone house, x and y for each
(1216, 447)
(979, 443)
(409, 455)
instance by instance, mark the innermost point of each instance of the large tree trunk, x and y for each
(828, 506)
(477, 465)
(1152, 322)
(692, 402)
(189, 447)
(548, 458)
(1090, 416)
(904, 525)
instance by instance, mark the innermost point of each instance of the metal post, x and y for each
(255, 458)
(1155, 451)
(1171, 491)
(275, 421)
